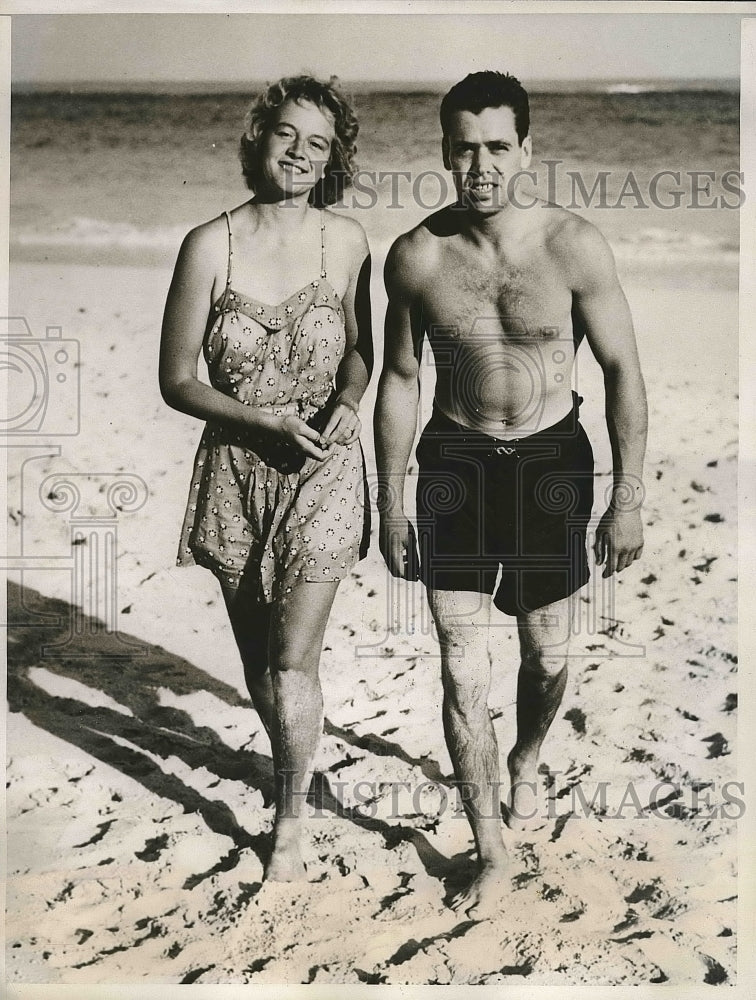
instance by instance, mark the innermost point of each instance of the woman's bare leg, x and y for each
(250, 622)
(298, 622)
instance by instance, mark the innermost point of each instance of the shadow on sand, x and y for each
(128, 743)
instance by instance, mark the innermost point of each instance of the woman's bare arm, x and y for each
(356, 366)
(193, 289)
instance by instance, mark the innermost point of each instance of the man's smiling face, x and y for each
(484, 155)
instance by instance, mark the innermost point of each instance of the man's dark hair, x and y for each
(488, 89)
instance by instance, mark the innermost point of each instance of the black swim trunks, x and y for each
(507, 518)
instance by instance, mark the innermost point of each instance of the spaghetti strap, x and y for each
(322, 245)
(230, 250)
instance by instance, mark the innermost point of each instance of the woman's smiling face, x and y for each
(296, 149)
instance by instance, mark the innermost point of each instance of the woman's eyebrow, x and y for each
(314, 135)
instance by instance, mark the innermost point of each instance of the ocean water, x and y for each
(131, 172)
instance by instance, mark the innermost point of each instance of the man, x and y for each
(504, 293)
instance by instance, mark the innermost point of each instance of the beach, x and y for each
(139, 776)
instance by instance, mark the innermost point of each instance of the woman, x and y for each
(277, 500)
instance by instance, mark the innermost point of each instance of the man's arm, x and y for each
(395, 416)
(601, 311)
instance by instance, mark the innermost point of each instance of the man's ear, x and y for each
(445, 152)
(527, 152)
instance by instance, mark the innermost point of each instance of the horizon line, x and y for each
(535, 84)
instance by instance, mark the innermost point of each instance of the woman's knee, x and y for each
(544, 663)
(300, 657)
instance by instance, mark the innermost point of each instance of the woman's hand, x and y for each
(292, 432)
(344, 424)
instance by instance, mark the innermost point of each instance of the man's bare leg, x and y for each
(297, 625)
(544, 641)
(462, 621)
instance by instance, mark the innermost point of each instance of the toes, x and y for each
(462, 900)
(465, 904)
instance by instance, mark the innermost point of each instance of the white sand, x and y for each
(138, 789)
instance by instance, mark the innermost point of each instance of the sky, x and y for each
(377, 47)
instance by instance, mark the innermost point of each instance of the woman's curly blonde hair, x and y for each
(327, 97)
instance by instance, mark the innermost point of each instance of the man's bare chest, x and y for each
(525, 298)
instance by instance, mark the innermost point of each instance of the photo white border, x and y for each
(746, 984)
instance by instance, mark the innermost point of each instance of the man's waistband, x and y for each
(440, 424)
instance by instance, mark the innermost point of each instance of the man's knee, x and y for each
(466, 682)
(460, 633)
(467, 698)
(455, 636)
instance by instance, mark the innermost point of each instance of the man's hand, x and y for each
(398, 546)
(619, 540)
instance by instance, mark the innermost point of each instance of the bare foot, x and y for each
(485, 895)
(286, 864)
(526, 803)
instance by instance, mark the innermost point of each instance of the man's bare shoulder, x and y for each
(415, 254)
(580, 249)
(417, 242)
